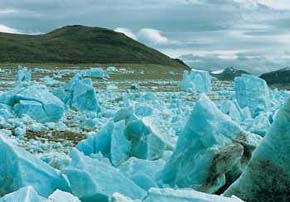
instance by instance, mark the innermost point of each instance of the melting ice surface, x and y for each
(74, 135)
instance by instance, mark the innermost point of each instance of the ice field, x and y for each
(99, 134)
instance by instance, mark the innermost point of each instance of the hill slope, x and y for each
(79, 44)
(281, 76)
(228, 74)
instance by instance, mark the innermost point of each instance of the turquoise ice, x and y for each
(267, 175)
(210, 151)
(19, 168)
(93, 180)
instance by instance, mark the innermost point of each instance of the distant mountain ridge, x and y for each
(281, 76)
(228, 74)
(80, 44)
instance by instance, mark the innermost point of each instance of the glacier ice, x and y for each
(34, 100)
(95, 73)
(61, 196)
(252, 92)
(231, 108)
(196, 81)
(143, 172)
(6, 111)
(210, 152)
(79, 94)
(185, 195)
(120, 140)
(267, 177)
(117, 197)
(25, 194)
(19, 168)
(23, 74)
(93, 180)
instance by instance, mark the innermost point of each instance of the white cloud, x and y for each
(152, 36)
(6, 29)
(127, 32)
(7, 11)
(275, 4)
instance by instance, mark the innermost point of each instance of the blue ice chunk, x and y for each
(117, 197)
(20, 168)
(34, 100)
(259, 125)
(23, 74)
(99, 142)
(61, 196)
(25, 194)
(111, 141)
(267, 177)
(79, 94)
(118, 141)
(6, 111)
(232, 109)
(210, 147)
(124, 114)
(143, 172)
(185, 195)
(143, 111)
(92, 180)
(196, 80)
(252, 92)
(120, 145)
(96, 73)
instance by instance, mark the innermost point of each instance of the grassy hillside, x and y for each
(79, 44)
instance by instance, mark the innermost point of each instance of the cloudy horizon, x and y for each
(251, 35)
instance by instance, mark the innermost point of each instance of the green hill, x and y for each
(79, 44)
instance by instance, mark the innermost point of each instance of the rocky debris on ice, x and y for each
(93, 180)
(143, 172)
(34, 100)
(267, 177)
(25, 194)
(252, 92)
(185, 195)
(19, 168)
(196, 81)
(211, 152)
(23, 74)
(79, 94)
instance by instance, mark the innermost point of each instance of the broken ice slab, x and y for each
(23, 74)
(95, 73)
(120, 198)
(196, 81)
(93, 180)
(34, 100)
(211, 151)
(25, 194)
(185, 195)
(141, 138)
(267, 177)
(143, 172)
(79, 94)
(19, 168)
(252, 92)
(61, 196)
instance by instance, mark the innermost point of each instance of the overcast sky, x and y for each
(210, 34)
